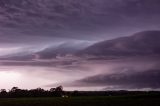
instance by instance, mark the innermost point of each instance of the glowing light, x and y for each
(9, 78)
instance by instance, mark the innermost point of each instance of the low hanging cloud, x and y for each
(136, 80)
(128, 74)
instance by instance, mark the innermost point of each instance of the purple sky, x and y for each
(33, 27)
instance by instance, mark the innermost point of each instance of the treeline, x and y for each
(39, 92)
(15, 92)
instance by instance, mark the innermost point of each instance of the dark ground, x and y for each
(139, 100)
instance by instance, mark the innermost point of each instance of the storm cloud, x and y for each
(75, 19)
(50, 34)
(138, 80)
(128, 74)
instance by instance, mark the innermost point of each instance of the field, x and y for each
(83, 101)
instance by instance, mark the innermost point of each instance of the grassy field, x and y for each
(82, 101)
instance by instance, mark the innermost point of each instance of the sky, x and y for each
(31, 26)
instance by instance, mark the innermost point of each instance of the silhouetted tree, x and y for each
(59, 91)
(3, 93)
(52, 89)
(15, 92)
(14, 89)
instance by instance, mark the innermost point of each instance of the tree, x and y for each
(3, 93)
(3, 90)
(59, 89)
(14, 89)
(39, 92)
(52, 89)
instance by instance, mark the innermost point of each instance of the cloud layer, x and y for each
(76, 19)
(138, 80)
(30, 26)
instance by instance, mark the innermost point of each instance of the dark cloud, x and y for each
(77, 19)
(130, 74)
(33, 25)
(137, 80)
(140, 44)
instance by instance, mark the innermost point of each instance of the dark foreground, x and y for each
(84, 101)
